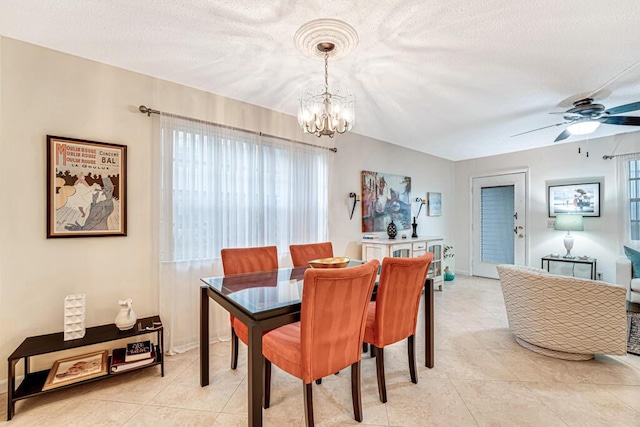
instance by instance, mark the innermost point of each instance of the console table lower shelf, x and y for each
(33, 382)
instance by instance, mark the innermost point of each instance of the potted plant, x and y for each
(448, 253)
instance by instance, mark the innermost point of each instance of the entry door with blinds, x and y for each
(499, 235)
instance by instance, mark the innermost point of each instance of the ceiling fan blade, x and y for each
(564, 135)
(533, 130)
(624, 108)
(621, 120)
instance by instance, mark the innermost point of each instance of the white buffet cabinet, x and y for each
(408, 248)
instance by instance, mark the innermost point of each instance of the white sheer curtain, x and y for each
(228, 188)
(628, 179)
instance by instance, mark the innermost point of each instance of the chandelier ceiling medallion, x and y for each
(322, 112)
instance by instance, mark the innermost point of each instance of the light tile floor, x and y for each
(481, 378)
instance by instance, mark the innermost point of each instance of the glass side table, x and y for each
(548, 259)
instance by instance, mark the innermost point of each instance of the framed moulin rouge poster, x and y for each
(86, 188)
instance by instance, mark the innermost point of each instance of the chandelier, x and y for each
(321, 111)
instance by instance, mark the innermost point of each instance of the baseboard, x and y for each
(3, 384)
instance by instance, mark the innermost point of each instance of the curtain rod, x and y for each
(606, 157)
(149, 111)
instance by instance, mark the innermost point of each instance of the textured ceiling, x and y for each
(453, 78)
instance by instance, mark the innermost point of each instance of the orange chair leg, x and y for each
(308, 404)
(382, 387)
(411, 348)
(266, 396)
(356, 395)
(234, 349)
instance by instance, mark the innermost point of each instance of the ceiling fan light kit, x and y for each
(583, 128)
(321, 112)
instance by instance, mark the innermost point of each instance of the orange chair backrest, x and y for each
(332, 317)
(398, 298)
(302, 254)
(249, 260)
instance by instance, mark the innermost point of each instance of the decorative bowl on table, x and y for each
(333, 262)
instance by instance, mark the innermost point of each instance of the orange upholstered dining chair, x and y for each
(302, 254)
(328, 336)
(394, 314)
(239, 261)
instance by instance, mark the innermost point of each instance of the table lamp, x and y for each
(569, 223)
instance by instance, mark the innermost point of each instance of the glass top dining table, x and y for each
(264, 301)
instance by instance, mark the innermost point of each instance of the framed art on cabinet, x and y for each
(86, 188)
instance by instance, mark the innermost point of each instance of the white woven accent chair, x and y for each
(624, 278)
(564, 317)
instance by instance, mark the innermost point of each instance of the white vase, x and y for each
(126, 318)
(74, 317)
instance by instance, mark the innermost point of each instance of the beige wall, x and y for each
(46, 92)
(601, 238)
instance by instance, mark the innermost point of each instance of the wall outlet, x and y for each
(599, 275)
(551, 223)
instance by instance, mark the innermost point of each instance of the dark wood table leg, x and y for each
(429, 342)
(161, 345)
(255, 375)
(11, 386)
(204, 337)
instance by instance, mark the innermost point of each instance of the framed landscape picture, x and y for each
(434, 204)
(581, 198)
(77, 368)
(86, 188)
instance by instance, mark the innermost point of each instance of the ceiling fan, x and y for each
(585, 116)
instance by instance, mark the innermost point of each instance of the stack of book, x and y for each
(370, 236)
(135, 355)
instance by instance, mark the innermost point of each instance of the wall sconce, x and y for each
(356, 199)
(422, 202)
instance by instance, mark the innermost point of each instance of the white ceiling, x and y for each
(453, 78)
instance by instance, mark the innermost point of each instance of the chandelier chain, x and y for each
(326, 72)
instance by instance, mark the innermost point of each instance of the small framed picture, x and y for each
(86, 188)
(581, 198)
(434, 204)
(76, 369)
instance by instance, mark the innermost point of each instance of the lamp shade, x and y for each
(569, 222)
(583, 128)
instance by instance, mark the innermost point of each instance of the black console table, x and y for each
(33, 382)
(577, 260)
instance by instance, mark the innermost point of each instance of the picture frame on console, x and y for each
(86, 188)
(78, 368)
(581, 197)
